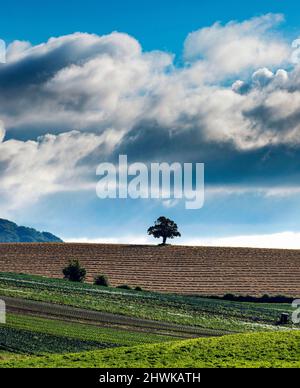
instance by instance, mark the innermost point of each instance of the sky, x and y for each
(156, 24)
(214, 82)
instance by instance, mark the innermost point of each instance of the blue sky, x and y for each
(156, 24)
(171, 85)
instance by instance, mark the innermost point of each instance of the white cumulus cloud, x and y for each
(238, 46)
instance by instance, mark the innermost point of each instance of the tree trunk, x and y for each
(164, 240)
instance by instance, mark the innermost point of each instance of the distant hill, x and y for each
(12, 233)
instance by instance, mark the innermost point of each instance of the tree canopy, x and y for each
(164, 228)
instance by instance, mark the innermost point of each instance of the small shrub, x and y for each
(125, 287)
(229, 297)
(138, 289)
(74, 272)
(101, 280)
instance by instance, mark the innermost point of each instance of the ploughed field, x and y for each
(173, 269)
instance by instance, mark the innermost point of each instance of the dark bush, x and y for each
(256, 299)
(101, 280)
(138, 289)
(74, 272)
(125, 287)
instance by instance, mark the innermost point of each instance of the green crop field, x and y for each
(243, 350)
(81, 331)
(35, 342)
(221, 315)
(36, 336)
(248, 334)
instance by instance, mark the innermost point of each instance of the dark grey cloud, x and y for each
(36, 99)
(270, 165)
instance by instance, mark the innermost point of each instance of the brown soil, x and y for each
(185, 270)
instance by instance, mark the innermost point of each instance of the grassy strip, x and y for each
(244, 350)
(83, 331)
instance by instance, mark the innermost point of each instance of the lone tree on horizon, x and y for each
(165, 228)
